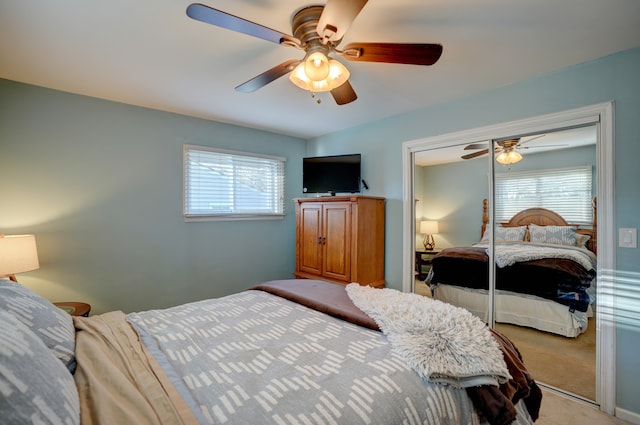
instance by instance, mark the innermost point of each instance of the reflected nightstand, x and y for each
(75, 308)
(423, 262)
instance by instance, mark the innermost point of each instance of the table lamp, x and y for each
(18, 254)
(429, 228)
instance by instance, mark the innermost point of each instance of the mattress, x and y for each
(517, 309)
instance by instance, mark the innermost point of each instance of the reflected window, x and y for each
(567, 191)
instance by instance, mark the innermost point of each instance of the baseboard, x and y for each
(628, 416)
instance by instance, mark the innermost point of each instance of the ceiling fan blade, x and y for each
(405, 53)
(337, 17)
(344, 94)
(475, 146)
(267, 77)
(475, 154)
(529, 140)
(212, 16)
(541, 146)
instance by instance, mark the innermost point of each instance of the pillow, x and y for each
(559, 235)
(51, 324)
(34, 386)
(514, 234)
(581, 240)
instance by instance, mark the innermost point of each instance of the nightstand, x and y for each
(423, 262)
(75, 308)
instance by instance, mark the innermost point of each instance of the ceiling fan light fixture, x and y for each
(508, 157)
(338, 74)
(299, 78)
(316, 66)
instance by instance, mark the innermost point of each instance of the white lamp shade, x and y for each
(338, 74)
(316, 66)
(429, 227)
(18, 254)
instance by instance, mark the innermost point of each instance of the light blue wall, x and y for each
(453, 195)
(611, 78)
(100, 185)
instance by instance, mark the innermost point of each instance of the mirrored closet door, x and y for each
(449, 192)
(526, 204)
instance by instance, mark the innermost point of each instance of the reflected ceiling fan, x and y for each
(506, 150)
(318, 30)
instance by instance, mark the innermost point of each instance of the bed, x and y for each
(282, 352)
(545, 272)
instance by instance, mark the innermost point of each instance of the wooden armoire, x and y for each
(340, 239)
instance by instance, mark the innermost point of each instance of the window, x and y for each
(566, 191)
(221, 184)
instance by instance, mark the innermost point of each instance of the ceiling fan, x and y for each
(506, 149)
(318, 30)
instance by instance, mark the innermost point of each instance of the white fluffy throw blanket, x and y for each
(510, 253)
(442, 343)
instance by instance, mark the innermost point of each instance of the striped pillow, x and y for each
(511, 234)
(559, 235)
(35, 388)
(52, 325)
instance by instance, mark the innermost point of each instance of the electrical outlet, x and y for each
(628, 237)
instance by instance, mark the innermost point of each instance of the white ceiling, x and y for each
(149, 53)
(531, 144)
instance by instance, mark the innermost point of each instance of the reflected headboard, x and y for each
(545, 217)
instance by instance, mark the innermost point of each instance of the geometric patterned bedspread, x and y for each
(256, 358)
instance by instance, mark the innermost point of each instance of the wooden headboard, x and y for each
(545, 217)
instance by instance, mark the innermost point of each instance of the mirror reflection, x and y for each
(542, 227)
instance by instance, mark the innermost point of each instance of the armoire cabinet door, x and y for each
(336, 244)
(309, 236)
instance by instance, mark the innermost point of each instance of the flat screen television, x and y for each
(331, 174)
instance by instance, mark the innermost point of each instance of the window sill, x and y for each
(232, 217)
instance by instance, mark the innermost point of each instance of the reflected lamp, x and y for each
(429, 228)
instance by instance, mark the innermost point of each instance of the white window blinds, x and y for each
(223, 184)
(567, 191)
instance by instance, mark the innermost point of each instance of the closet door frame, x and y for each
(600, 115)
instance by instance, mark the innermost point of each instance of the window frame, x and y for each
(277, 213)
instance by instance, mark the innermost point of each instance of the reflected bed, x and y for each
(545, 273)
